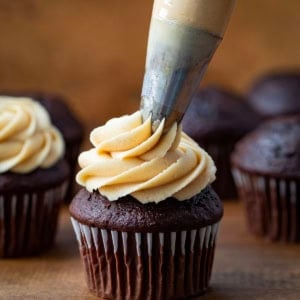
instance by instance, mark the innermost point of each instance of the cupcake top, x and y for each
(129, 215)
(61, 115)
(128, 159)
(216, 115)
(273, 149)
(28, 140)
(276, 95)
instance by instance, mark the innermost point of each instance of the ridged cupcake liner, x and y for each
(121, 265)
(272, 205)
(28, 221)
(220, 153)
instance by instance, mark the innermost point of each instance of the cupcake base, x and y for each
(272, 205)
(28, 221)
(127, 265)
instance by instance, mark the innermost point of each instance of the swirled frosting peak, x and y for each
(28, 140)
(128, 158)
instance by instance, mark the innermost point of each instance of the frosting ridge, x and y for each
(128, 158)
(28, 140)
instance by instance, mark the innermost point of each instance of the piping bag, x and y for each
(183, 37)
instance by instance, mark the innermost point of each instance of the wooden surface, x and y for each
(244, 268)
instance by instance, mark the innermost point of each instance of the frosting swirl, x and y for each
(128, 159)
(28, 140)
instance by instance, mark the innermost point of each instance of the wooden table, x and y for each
(245, 268)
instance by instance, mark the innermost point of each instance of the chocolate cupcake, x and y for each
(33, 177)
(216, 120)
(276, 94)
(67, 123)
(146, 221)
(267, 172)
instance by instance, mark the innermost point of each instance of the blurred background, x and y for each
(93, 51)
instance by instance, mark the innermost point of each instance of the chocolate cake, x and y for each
(131, 234)
(147, 218)
(267, 171)
(216, 119)
(39, 179)
(66, 121)
(33, 177)
(276, 94)
(29, 206)
(129, 215)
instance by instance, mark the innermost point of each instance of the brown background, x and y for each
(93, 51)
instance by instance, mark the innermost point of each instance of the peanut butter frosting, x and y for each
(28, 140)
(128, 159)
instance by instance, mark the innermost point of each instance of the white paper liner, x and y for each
(182, 262)
(90, 236)
(28, 220)
(272, 205)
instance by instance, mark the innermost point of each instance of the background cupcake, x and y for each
(146, 221)
(267, 171)
(217, 119)
(33, 177)
(276, 94)
(67, 123)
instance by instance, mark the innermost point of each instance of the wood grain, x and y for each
(245, 268)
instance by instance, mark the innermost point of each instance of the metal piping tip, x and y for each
(177, 58)
(183, 37)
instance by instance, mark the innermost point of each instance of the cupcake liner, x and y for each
(126, 265)
(28, 221)
(224, 184)
(272, 205)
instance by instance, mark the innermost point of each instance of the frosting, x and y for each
(127, 158)
(212, 15)
(28, 140)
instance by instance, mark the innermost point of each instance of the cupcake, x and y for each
(146, 220)
(216, 120)
(276, 94)
(33, 177)
(266, 166)
(67, 123)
